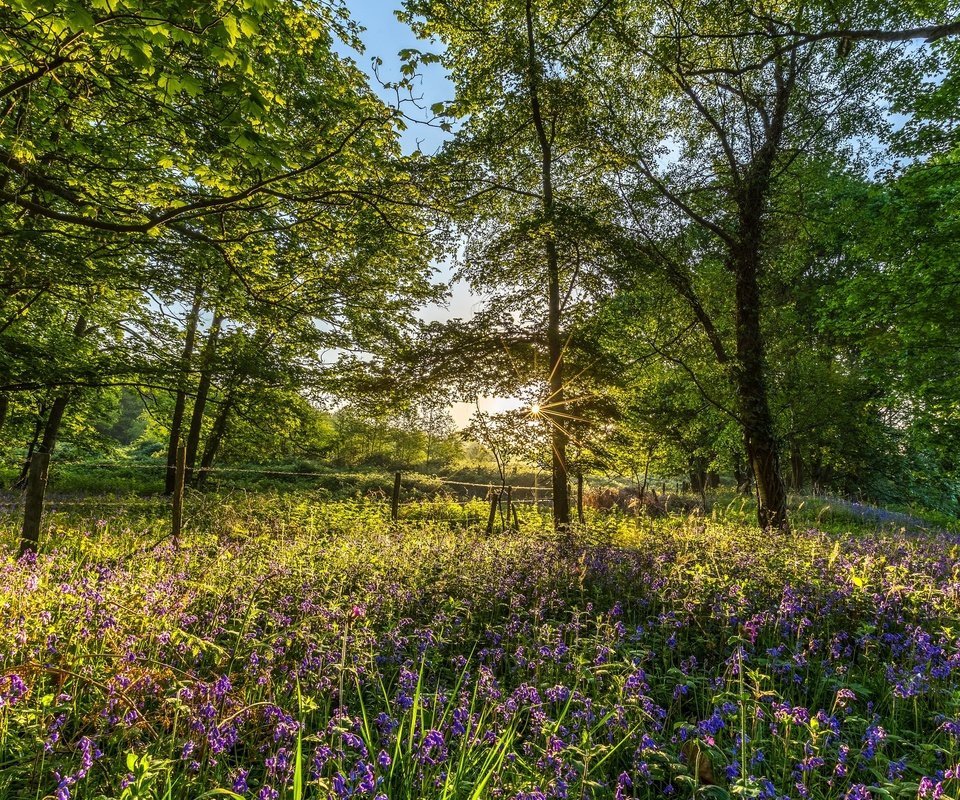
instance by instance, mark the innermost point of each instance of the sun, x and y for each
(535, 409)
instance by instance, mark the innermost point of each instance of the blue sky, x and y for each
(384, 37)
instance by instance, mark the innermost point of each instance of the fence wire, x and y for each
(544, 493)
(429, 507)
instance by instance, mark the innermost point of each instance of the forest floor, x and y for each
(291, 648)
(883, 516)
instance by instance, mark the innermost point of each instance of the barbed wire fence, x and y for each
(419, 499)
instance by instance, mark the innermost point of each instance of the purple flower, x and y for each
(767, 790)
(340, 787)
(949, 726)
(713, 725)
(896, 769)
(872, 738)
(433, 749)
(240, 781)
(13, 691)
(222, 687)
(365, 779)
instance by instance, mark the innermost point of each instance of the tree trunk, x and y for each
(580, 517)
(646, 474)
(33, 504)
(216, 437)
(796, 468)
(176, 421)
(51, 428)
(750, 383)
(697, 481)
(203, 391)
(746, 263)
(4, 407)
(40, 462)
(556, 410)
(698, 475)
(740, 473)
(817, 473)
(179, 474)
(557, 403)
(21, 480)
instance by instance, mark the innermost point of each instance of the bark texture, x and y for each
(555, 411)
(203, 392)
(180, 403)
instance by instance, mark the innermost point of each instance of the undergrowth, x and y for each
(294, 649)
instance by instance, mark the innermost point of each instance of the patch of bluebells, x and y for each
(89, 753)
(403, 653)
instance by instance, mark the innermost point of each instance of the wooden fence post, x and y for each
(509, 502)
(179, 478)
(33, 502)
(395, 502)
(494, 502)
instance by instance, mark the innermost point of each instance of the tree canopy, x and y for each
(710, 238)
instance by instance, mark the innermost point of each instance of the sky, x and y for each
(384, 37)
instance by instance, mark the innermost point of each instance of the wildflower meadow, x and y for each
(289, 649)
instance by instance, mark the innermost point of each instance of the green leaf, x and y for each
(81, 20)
(230, 26)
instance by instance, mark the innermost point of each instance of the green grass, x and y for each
(298, 648)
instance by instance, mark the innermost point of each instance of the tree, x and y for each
(441, 443)
(518, 163)
(293, 214)
(896, 309)
(707, 147)
(510, 436)
(106, 109)
(59, 339)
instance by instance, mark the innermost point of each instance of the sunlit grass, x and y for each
(298, 649)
